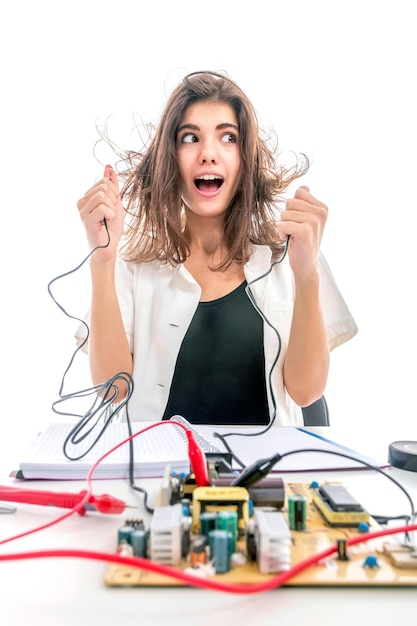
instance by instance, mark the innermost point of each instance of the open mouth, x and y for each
(208, 183)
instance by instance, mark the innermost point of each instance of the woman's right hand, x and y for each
(102, 202)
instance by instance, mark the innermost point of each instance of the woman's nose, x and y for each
(208, 153)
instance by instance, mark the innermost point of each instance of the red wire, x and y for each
(213, 584)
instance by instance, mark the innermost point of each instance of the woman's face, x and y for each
(209, 158)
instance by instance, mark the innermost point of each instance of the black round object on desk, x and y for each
(403, 454)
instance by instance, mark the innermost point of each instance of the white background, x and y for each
(336, 79)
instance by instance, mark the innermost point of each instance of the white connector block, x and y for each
(273, 542)
(166, 531)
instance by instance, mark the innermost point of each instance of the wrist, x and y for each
(102, 271)
(308, 283)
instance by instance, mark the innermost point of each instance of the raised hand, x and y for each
(303, 220)
(101, 207)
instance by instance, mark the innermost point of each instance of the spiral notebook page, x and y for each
(251, 444)
(166, 445)
(153, 450)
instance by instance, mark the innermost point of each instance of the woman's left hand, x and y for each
(303, 220)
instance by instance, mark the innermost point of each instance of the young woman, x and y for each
(218, 303)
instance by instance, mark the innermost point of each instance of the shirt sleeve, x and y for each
(340, 324)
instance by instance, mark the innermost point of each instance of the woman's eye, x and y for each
(229, 138)
(189, 138)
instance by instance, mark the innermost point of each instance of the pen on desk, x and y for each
(7, 509)
(103, 504)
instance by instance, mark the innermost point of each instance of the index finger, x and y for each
(303, 193)
(111, 174)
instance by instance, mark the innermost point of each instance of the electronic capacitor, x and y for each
(220, 542)
(124, 533)
(297, 512)
(198, 550)
(227, 520)
(139, 542)
(207, 522)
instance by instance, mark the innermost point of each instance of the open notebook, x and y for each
(165, 444)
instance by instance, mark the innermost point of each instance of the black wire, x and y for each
(83, 429)
(105, 395)
(49, 287)
(383, 519)
(348, 456)
(132, 482)
(228, 448)
(275, 361)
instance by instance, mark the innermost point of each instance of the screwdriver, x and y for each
(103, 504)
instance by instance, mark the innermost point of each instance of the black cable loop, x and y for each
(105, 395)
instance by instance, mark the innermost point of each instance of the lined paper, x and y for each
(165, 444)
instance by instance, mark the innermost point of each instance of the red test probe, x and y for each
(103, 504)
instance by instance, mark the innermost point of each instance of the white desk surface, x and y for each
(68, 591)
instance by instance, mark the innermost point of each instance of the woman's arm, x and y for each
(102, 215)
(306, 364)
(108, 348)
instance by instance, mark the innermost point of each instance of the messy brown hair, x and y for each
(151, 189)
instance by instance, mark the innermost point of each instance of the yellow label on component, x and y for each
(216, 499)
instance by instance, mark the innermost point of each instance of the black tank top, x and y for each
(219, 376)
